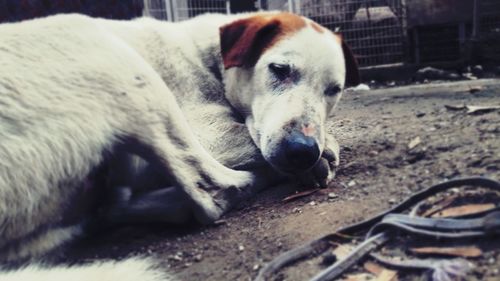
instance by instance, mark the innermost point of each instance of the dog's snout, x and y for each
(301, 151)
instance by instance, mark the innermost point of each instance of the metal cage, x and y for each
(488, 33)
(375, 29)
(178, 10)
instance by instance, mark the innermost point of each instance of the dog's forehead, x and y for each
(310, 42)
(313, 47)
(288, 22)
(245, 41)
(302, 28)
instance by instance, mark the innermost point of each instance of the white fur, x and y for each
(67, 100)
(43, 243)
(133, 269)
(72, 87)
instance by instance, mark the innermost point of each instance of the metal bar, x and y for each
(417, 46)
(168, 10)
(298, 6)
(146, 9)
(462, 39)
(475, 20)
(173, 9)
(228, 7)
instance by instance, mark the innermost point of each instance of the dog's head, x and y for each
(285, 74)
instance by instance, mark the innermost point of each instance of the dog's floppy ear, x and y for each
(243, 41)
(352, 77)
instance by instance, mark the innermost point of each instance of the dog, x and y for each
(169, 121)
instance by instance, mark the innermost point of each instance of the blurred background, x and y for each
(384, 34)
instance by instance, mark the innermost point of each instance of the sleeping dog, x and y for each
(177, 120)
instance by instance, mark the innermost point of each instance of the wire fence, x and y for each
(373, 28)
(489, 30)
(178, 10)
(379, 31)
(490, 16)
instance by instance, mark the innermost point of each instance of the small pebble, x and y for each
(351, 183)
(241, 248)
(198, 258)
(220, 222)
(414, 143)
(177, 257)
(312, 203)
(491, 261)
(392, 200)
(372, 153)
(332, 195)
(256, 267)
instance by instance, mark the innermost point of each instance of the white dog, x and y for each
(178, 120)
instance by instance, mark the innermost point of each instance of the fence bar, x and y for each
(228, 7)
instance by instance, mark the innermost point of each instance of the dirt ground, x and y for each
(377, 170)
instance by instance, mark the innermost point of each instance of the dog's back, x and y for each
(55, 73)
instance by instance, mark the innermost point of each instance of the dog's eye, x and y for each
(281, 71)
(332, 90)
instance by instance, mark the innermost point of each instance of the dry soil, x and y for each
(377, 169)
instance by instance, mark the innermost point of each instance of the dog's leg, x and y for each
(196, 173)
(136, 194)
(162, 136)
(170, 205)
(167, 205)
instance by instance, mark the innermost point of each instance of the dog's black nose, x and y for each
(301, 151)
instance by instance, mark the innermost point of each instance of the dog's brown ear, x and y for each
(243, 41)
(352, 77)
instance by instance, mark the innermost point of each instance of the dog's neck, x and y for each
(182, 51)
(187, 51)
(207, 41)
(206, 38)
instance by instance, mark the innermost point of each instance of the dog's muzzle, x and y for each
(297, 153)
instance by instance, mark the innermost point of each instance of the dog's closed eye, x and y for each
(332, 90)
(281, 71)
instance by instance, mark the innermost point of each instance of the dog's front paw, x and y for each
(324, 170)
(218, 191)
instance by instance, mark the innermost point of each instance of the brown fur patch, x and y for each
(245, 40)
(317, 27)
(352, 77)
(337, 37)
